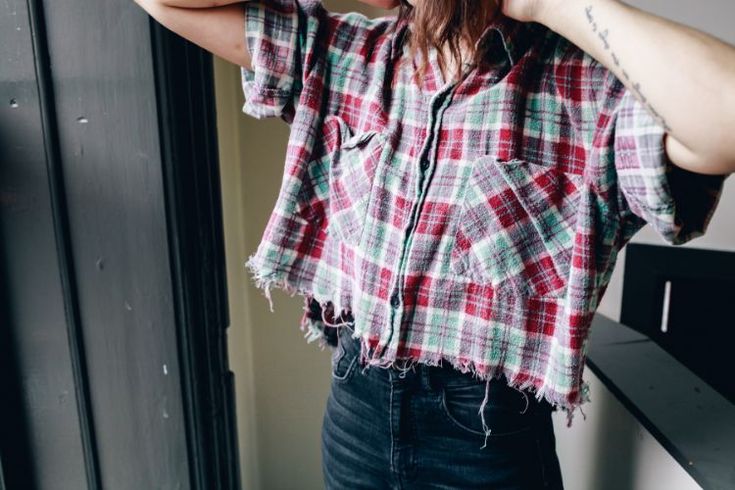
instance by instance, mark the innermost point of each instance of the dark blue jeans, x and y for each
(420, 428)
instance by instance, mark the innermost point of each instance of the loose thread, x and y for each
(267, 292)
(482, 412)
(330, 324)
(373, 357)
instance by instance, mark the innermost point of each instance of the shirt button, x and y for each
(395, 300)
(424, 164)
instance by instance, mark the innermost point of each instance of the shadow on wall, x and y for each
(621, 437)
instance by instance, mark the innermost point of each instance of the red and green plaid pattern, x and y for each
(476, 223)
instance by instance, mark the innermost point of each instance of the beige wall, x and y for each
(282, 382)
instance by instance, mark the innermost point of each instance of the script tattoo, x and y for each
(603, 35)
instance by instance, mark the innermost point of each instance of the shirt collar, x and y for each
(515, 36)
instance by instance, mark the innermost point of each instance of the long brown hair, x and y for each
(436, 23)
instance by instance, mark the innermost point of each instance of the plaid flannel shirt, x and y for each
(477, 222)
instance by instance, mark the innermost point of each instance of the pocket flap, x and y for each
(356, 140)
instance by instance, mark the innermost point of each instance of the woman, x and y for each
(459, 180)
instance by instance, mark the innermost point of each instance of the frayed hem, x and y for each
(369, 357)
(312, 331)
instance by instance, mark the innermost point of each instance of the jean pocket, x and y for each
(516, 227)
(507, 411)
(344, 355)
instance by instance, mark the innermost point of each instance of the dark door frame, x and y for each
(36, 182)
(184, 72)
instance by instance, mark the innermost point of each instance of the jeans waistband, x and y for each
(444, 376)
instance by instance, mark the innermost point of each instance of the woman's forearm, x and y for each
(685, 77)
(220, 30)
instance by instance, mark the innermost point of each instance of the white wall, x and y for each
(282, 382)
(610, 449)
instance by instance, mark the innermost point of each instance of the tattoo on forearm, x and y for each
(636, 87)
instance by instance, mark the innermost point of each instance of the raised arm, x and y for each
(214, 25)
(686, 78)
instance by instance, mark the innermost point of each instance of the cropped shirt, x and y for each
(476, 221)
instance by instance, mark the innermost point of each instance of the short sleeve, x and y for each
(279, 35)
(677, 203)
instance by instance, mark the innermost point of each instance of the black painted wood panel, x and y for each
(113, 356)
(42, 440)
(108, 129)
(696, 325)
(692, 421)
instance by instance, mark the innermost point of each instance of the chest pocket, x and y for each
(516, 227)
(352, 174)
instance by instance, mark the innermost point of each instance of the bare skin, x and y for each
(685, 78)
(214, 25)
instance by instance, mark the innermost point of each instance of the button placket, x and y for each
(438, 104)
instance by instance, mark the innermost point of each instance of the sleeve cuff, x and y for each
(275, 31)
(677, 203)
